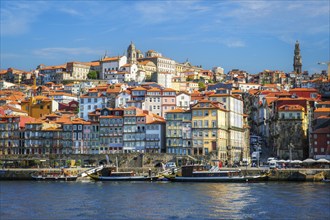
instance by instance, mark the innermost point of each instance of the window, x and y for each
(214, 112)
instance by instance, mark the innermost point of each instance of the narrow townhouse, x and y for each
(235, 121)
(178, 132)
(111, 131)
(210, 130)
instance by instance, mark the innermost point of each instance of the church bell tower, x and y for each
(131, 53)
(297, 62)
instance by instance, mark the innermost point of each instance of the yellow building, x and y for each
(39, 106)
(210, 129)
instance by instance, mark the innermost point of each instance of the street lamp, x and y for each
(291, 146)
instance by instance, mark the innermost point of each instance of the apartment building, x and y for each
(111, 131)
(236, 132)
(178, 132)
(110, 65)
(9, 134)
(90, 102)
(210, 129)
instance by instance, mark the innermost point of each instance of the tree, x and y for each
(201, 86)
(92, 74)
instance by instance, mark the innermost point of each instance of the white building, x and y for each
(164, 79)
(122, 98)
(111, 64)
(90, 102)
(183, 100)
(132, 70)
(62, 97)
(245, 87)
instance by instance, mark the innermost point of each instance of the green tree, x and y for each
(92, 74)
(201, 86)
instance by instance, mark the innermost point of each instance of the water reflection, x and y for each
(91, 200)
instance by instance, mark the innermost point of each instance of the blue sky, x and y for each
(247, 35)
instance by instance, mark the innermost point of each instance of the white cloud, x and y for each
(154, 12)
(228, 42)
(70, 11)
(17, 16)
(58, 51)
(234, 43)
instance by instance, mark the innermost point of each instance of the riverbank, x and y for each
(274, 175)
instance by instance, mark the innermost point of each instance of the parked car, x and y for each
(170, 165)
(272, 164)
(270, 159)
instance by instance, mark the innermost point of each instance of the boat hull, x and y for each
(47, 178)
(219, 179)
(122, 178)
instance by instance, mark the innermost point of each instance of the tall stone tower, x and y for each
(131, 53)
(297, 62)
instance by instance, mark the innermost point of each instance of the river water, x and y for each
(163, 200)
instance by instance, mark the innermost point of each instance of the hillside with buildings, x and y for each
(150, 103)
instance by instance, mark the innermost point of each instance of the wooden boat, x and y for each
(47, 175)
(109, 174)
(200, 173)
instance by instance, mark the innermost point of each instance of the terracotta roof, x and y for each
(270, 100)
(324, 102)
(63, 66)
(154, 90)
(177, 110)
(322, 110)
(169, 90)
(138, 88)
(303, 90)
(111, 59)
(291, 108)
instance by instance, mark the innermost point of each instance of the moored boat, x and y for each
(110, 174)
(200, 173)
(54, 176)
